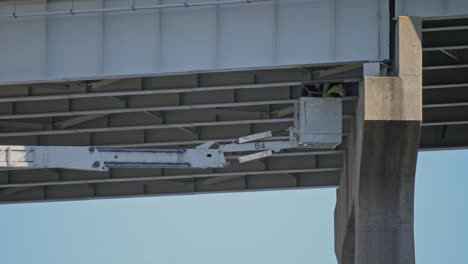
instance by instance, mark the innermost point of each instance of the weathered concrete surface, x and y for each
(392, 98)
(374, 211)
(384, 202)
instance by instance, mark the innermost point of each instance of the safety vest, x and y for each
(333, 91)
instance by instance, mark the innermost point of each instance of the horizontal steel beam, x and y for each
(440, 105)
(153, 109)
(143, 92)
(441, 148)
(175, 177)
(445, 123)
(451, 28)
(444, 86)
(189, 192)
(445, 67)
(144, 109)
(444, 17)
(146, 127)
(143, 127)
(445, 48)
(12, 99)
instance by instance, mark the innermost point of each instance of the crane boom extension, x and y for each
(317, 125)
(102, 159)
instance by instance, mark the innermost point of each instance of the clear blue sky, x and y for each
(262, 227)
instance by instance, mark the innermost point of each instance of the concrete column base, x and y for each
(384, 204)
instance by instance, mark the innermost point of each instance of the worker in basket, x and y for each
(324, 90)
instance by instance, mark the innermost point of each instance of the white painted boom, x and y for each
(318, 122)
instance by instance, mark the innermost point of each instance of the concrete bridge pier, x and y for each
(374, 210)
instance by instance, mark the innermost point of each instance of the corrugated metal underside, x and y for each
(445, 78)
(166, 112)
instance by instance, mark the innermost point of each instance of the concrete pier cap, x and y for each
(375, 200)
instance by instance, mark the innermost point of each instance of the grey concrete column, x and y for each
(385, 195)
(384, 211)
(374, 211)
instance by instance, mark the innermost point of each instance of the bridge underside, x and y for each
(445, 83)
(186, 110)
(177, 111)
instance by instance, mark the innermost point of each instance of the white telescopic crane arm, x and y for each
(317, 125)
